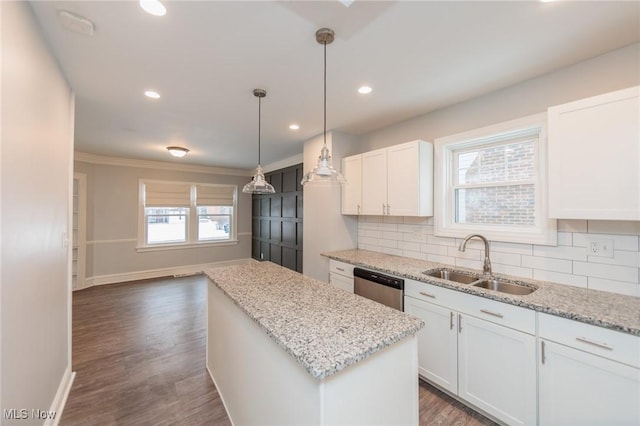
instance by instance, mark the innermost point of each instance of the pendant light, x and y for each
(324, 172)
(258, 184)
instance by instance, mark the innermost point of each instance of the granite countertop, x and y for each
(324, 328)
(609, 310)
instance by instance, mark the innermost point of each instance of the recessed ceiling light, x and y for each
(294, 126)
(152, 94)
(177, 151)
(154, 7)
(364, 90)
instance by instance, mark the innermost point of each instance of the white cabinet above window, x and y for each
(393, 181)
(594, 157)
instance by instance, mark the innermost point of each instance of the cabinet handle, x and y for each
(358, 208)
(591, 342)
(542, 354)
(488, 312)
(427, 294)
(388, 209)
(383, 208)
(459, 323)
(340, 269)
(450, 320)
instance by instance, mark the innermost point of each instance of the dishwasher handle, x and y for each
(379, 278)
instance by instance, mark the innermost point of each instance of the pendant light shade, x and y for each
(324, 173)
(258, 184)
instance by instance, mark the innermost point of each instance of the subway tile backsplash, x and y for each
(567, 263)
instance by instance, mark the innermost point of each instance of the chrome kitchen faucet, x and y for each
(486, 268)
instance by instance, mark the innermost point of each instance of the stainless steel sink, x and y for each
(504, 287)
(458, 277)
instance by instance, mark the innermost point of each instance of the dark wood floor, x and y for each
(139, 358)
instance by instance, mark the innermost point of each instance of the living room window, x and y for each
(178, 214)
(493, 181)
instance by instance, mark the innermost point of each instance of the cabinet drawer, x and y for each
(511, 316)
(621, 347)
(341, 268)
(432, 293)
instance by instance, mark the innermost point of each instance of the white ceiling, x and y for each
(205, 58)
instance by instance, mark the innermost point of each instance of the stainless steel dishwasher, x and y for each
(381, 288)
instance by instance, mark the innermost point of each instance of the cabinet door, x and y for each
(594, 158)
(340, 281)
(578, 388)
(403, 179)
(497, 370)
(352, 190)
(437, 343)
(374, 182)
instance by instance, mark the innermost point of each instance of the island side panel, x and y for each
(380, 390)
(259, 383)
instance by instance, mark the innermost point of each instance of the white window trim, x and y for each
(192, 218)
(545, 230)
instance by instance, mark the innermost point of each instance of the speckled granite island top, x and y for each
(609, 310)
(324, 328)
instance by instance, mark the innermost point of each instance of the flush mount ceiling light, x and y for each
(324, 171)
(177, 151)
(258, 184)
(364, 90)
(294, 127)
(76, 23)
(153, 7)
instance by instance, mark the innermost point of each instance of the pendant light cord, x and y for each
(325, 92)
(259, 121)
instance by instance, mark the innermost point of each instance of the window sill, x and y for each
(182, 246)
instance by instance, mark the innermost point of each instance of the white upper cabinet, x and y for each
(410, 179)
(394, 181)
(352, 190)
(594, 157)
(374, 182)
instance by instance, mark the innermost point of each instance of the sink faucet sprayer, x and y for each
(486, 268)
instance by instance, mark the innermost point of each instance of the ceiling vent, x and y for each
(76, 23)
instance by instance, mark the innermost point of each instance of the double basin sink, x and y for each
(477, 280)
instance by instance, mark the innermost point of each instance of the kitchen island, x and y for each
(283, 348)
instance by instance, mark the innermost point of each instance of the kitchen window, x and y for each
(179, 214)
(493, 181)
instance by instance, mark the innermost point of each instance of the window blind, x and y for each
(167, 194)
(207, 195)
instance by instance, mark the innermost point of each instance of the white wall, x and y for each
(566, 264)
(36, 173)
(112, 220)
(324, 227)
(615, 70)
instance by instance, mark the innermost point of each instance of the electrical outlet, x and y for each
(599, 247)
(418, 234)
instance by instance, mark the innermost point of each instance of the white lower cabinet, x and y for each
(340, 281)
(484, 362)
(341, 275)
(496, 370)
(587, 375)
(437, 343)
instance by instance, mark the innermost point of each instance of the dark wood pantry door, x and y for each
(277, 220)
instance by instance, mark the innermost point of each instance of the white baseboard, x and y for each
(60, 400)
(178, 271)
